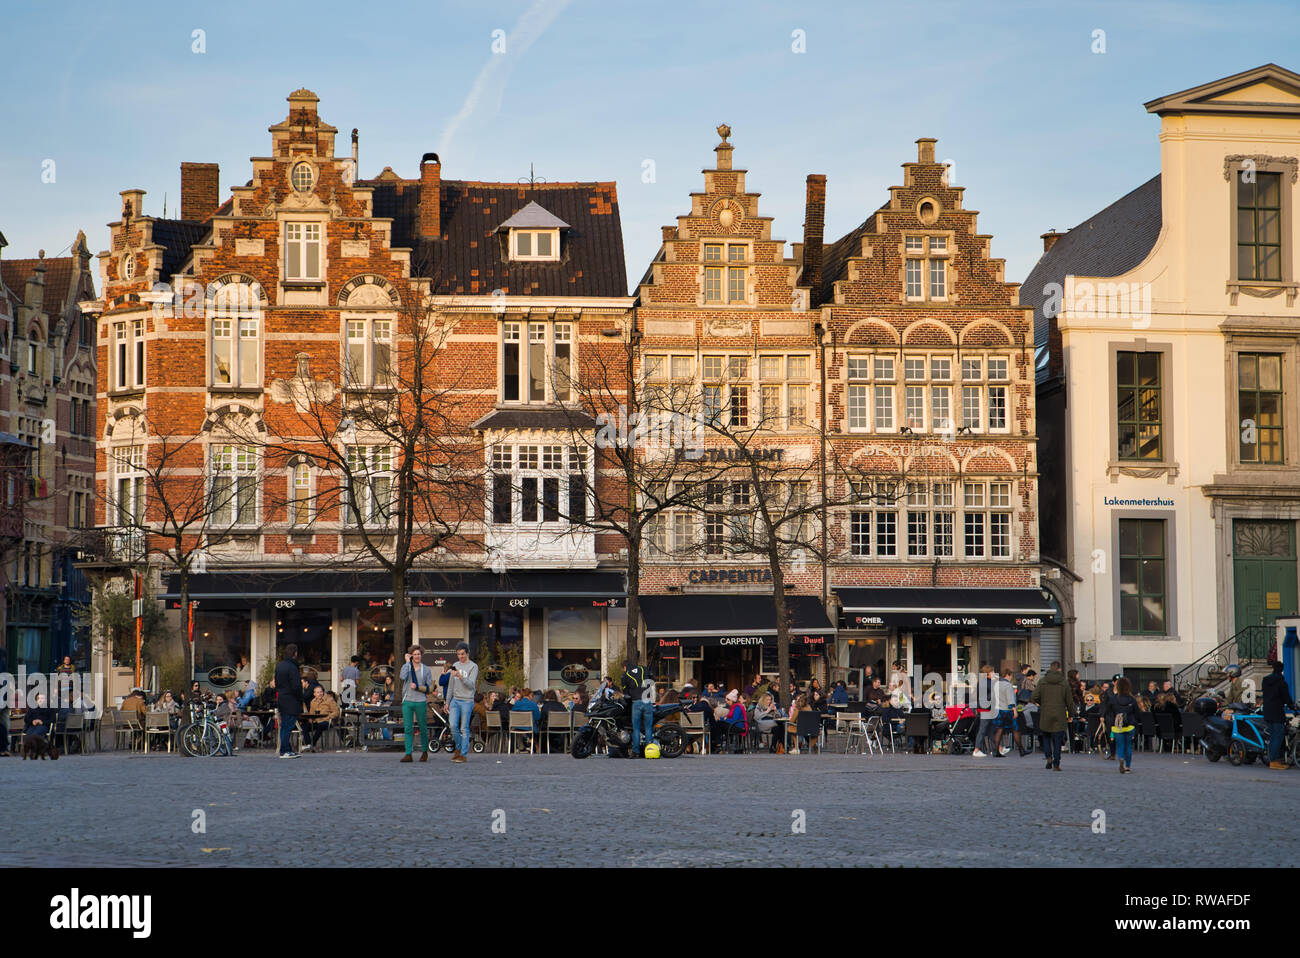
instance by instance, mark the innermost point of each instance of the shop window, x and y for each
(312, 630)
(221, 639)
(573, 648)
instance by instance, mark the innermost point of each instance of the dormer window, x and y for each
(533, 234)
(535, 244)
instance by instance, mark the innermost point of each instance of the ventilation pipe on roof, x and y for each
(356, 170)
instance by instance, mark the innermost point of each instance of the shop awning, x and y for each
(695, 620)
(945, 608)
(515, 590)
(331, 589)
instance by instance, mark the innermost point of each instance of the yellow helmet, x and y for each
(652, 750)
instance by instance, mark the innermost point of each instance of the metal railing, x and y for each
(1251, 644)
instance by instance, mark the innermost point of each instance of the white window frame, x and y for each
(300, 236)
(301, 482)
(530, 238)
(554, 338)
(370, 464)
(376, 334)
(238, 507)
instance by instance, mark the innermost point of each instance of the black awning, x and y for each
(692, 620)
(488, 590)
(370, 589)
(945, 608)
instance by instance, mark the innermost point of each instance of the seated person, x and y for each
(766, 713)
(800, 704)
(228, 712)
(320, 712)
(525, 703)
(736, 719)
(839, 694)
(39, 720)
(248, 695)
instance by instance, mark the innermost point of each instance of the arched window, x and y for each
(300, 493)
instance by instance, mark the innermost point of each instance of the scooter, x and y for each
(610, 721)
(1237, 733)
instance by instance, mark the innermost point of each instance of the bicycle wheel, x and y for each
(192, 741)
(212, 739)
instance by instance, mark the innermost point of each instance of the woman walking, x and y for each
(1121, 706)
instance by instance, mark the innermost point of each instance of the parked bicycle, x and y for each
(204, 736)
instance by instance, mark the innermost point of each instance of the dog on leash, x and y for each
(38, 746)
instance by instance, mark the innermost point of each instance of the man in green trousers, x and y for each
(417, 680)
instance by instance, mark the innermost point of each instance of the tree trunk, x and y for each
(399, 631)
(185, 621)
(633, 597)
(782, 631)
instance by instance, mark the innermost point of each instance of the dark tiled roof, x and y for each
(470, 257)
(544, 418)
(836, 255)
(177, 237)
(58, 279)
(1108, 244)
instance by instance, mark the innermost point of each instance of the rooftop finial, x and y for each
(724, 131)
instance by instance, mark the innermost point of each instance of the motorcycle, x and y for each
(1237, 733)
(610, 721)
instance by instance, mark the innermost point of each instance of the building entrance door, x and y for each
(1263, 570)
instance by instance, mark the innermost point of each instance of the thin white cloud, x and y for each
(491, 80)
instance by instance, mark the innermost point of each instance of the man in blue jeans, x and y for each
(1277, 698)
(639, 689)
(462, 681)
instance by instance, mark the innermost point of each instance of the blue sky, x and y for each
(1043, 131)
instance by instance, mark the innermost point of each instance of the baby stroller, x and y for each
(963, 723)
(440, 734)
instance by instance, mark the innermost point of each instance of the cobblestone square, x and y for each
(897, 810)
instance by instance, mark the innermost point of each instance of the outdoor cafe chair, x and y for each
(1146, 727)
(559, 724)
(808, 724)
(73, 726)
(521, 723)
(495, 739)
(1193, 729)
(694, 727)
(1165, 731)
(870, 731)
(916, 725)
(849, 725)
(157, 723)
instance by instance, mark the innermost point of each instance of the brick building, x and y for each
(301, 285)
(723, 319)
(931, 417)
(47, 401)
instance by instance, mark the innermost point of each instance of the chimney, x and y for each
(34, 289)
(723, 149)
(430, 196)
(925, 149)
(814, 225)
(356, 170)
(1049, 239)
(200, 190)
(132, 203)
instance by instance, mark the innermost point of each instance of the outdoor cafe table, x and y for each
(361, 714)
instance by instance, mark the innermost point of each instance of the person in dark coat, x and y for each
(289, 697)
(1055, 709)
(1277, 698)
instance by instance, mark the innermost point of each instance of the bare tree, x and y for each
(638, 429)
(398, 472)
(160, 505)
